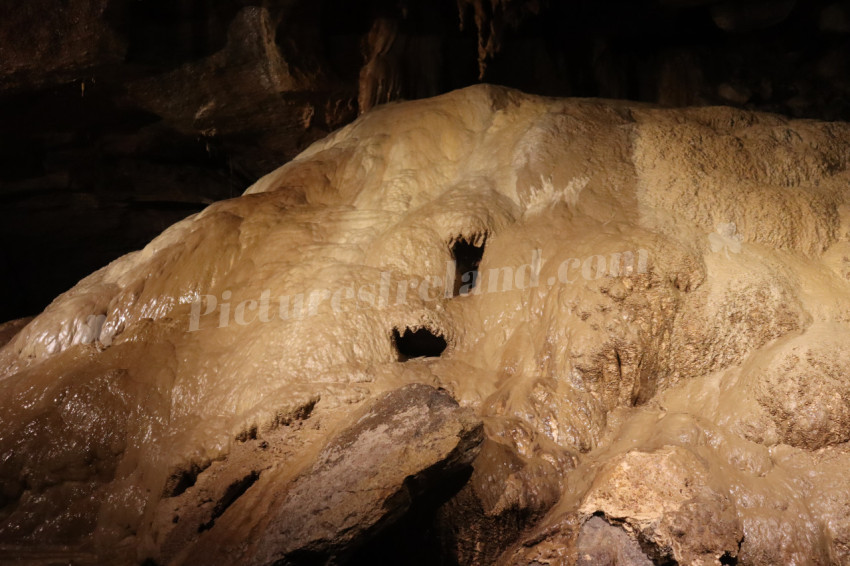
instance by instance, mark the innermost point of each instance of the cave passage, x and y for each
(467, 256)
(420, 343)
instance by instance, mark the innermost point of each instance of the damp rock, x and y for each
(366, 477)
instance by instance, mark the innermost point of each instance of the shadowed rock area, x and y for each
(650, 366)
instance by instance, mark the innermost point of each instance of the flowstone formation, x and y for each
(483, 328)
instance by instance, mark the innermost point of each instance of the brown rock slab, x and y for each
(367, 476)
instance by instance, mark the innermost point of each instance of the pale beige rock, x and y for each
(805, 388)
(710, 361)
(665, 498)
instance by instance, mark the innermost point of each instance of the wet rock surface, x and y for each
(399, 451)
(409, 441)
(653, 353)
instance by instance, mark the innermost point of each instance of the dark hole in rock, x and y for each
(247, 434)
(183, 478)
(233, 492)
(467, 256)
(420, 343)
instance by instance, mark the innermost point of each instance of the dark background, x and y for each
(120, 117)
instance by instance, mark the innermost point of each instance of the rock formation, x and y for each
(120, 117)
(481, 328)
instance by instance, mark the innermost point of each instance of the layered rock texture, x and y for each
(481, 328)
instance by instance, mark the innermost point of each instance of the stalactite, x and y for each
(379, 77)
(491, 18)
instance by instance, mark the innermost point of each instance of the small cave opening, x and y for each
(421, 343)
(467, 254)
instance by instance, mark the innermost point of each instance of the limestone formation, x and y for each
(486, 327)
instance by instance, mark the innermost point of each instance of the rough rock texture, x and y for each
(656, 339)
(664, 498)
(408, 441)
(120, 117)
(400, 448)
(601, 543)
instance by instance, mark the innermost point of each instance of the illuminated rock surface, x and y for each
(669, 363)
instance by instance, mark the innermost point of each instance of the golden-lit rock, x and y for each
(656, 338)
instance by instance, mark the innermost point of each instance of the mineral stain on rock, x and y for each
(293, 377)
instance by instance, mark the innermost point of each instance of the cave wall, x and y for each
(119, 117)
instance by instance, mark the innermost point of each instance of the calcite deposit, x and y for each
(482, 328)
